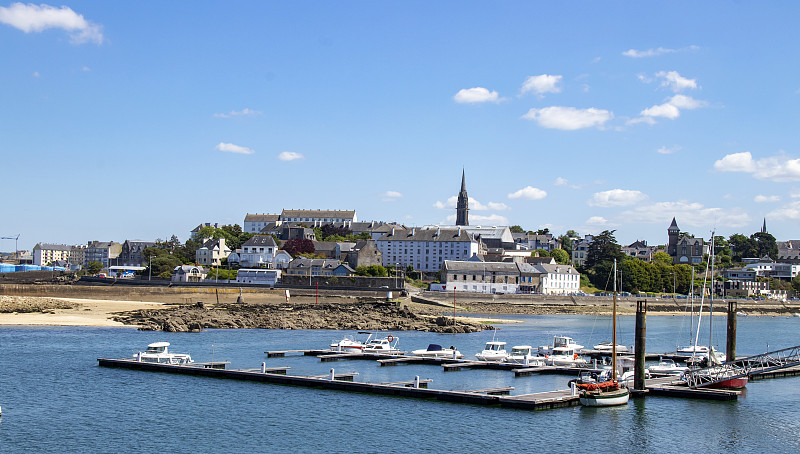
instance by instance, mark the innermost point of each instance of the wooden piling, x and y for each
(730, 345)
(639, 345)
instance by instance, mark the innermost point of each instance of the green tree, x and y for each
(540, 253)
(604, 248)
(796, 283)
(561, 256)
(566, 243)
(371, 270)
(765, 245)
(516, 229)
(544, 231)
(742, 247)
(662, 257)
(94, 267)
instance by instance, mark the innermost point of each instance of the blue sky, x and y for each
(139, 120)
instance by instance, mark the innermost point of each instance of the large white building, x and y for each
(253, 223)
(44, 253)
(316, 218)
(426, 249)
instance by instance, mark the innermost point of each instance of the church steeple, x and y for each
(764, 228)
(462, 207)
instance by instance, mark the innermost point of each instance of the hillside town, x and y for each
(268, 249)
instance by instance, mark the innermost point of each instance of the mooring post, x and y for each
(639, 347)
(333, 376)
(263, 367)
(573, 389)
(416, 381)
(730, 346)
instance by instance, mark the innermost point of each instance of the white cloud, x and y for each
(238, 113)
(37, 18)
(633, 53)
(670, 109)
(779, 168)
(390, 196)
(36, 74)
(568, 118)
(475, 95)
(687, 213)
(492, 219)
(560, 181)
(231, 148)
(675, 81)
(668, 150)
(597, 221)
(795, 194)
(666, 110)
(290, 156)
(86, 69)
(474, 204)
(528, 192)
(787, 212)
(766, 198)
(616, 198)
(544, 83)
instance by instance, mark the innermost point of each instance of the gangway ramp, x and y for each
(744, 367)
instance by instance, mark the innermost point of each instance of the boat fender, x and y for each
(575, 356)
(390, 338)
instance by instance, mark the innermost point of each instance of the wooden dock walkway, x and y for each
(542, 401)
(404, 389)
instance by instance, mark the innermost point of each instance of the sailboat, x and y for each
(609, 393)
(713, 359)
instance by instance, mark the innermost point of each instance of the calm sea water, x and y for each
(55, 398)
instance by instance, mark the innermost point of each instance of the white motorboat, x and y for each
(524, 354)
(564, 356)
(436, 351)
(158, 352)
(494, 351)
(667, 367)
(695, 353)
(349, 344)
(382, 346)
(559, 342)
(606, 347)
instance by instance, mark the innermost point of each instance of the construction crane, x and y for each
(16, 243)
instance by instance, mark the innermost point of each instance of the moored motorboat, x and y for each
(606, 348)
(494, 351)
(559, 342)
(349, 344)
(667, 367)
(524, 354)
(382, 346)
(158, 352)
(437, 351)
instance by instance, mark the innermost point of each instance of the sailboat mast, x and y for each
(691, 316)
(711, 303)
(614, 328)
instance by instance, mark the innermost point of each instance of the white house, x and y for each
(480, 277)
(258, 251)
(558, 279)
(212, 252)
(188, 273)
(253, 223)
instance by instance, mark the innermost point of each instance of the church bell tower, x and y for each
(462, 207)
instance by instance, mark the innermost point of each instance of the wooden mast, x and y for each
(614, 329)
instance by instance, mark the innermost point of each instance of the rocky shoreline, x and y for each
(356, 316)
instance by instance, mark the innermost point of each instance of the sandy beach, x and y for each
(84, 312)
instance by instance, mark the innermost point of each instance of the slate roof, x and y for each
(334, 214)
(261, 217)
(431, 235)
(261, 240)
(489, 267)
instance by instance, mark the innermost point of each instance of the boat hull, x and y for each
(605, 398)
(734, 383)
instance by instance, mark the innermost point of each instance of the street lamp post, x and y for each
(396, 265)
(150, 268)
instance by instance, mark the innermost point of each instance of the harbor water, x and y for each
(55, 398)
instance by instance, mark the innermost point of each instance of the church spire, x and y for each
(462, 206)
(764, 228)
